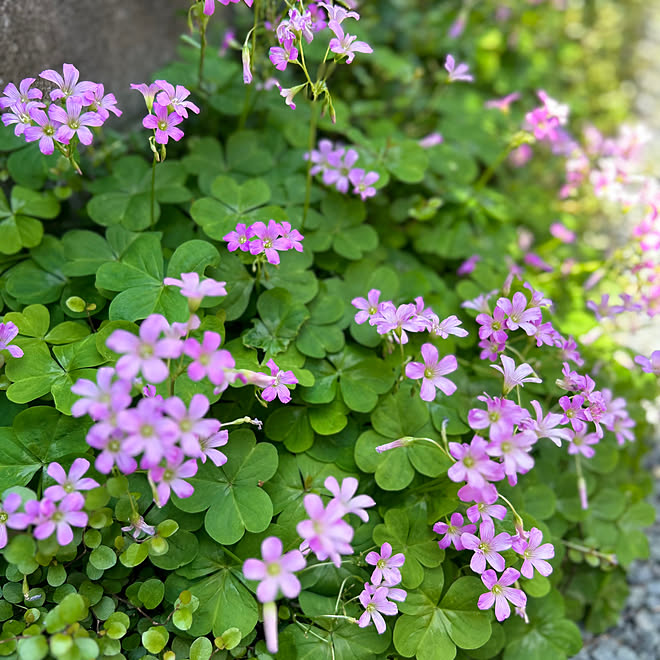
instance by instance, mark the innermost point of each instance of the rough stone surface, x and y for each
(114, 42)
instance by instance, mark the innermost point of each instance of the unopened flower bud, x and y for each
(401, 442)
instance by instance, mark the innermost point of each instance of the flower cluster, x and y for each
(167, 107)
(161, 435)
(336, 164)
(327, 535)
(267, 239)
(63, 119)
(56, 512)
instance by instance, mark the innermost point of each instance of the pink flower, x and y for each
(460, 72)
(503, 104)
(486, 510)
(649, 366)
(545, 427)
(468, 265)
(486, 548)
(517, 314)
(430, 140)
(281, 56)
(276, 572)
(375, 605)
(432, 372)
(164, 123)
(581, 441)
(362, 181)
(172, 476)
(268, 240)
(500, 593)
(71, 483)
(112, 443)
(58, 517)
(68, 86)
(278, 388)
(292, 236)
(367, 306)
(74, 121)
(397, 320)
(175, 98)
(452, 531)
(534, 554)
(346, 44)
(191, 287)
(146, 352)
(560, 231)
(102, 103)
(514, 450)
(191, 422)
(344, 495)
(9, 517)
(148, 92)
(208, 447)
(44, 131)
(239, 239)
(514, 376)
(8, 332)
(501, 415)
(101, 399)
(207, 359)
(387, 566)
(473, 464)
(325, 533)
(493, 326)
(13, 96)
(449, 326)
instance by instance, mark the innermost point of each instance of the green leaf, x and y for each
(201, 649)
(279, 322)
(86, 252)
(232, 493)
(33, 648)
(407, 161)
(290, 424)
(103, 557)
(33, 321)
(246, 153)
(155, 639)
(151, 593)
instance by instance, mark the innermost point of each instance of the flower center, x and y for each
(468, 461)
(273, 569)
(268, 243)
(146, 351)
(3, 517)
(373, 310)
(497, 590)
(370, 608)
(483, 546)
(58, 516)
(74, 124)
(114, 446)
(381, 563)
(186, 425)
(162, 125)
(168, 475)
(506, 447)
(49, 130)
(147, 430)
(68, 487)
(428, 372)
(204, 360)
(493, 416)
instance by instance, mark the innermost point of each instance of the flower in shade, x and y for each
(44, 131)
(432, 372)
(375, 605)
(276, 572)
(192, 288)
(324, 532)
(71, 483)
(514, 376)
(344, 495)
(362, 181)
(387, 566)
(67, 86)
(145, 352)
(164, 123)
(175, 97)
(487, 548)
(74, 121)
(534, 554)
(172, 476)
(10, 518)
(500, 593)
(8, 332)
(649, 365)
(468, 265)
(58, 517)
(13, 96)
(278, 387)
(457, 72)
(452, 531)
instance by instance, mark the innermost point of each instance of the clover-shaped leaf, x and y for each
(233, 494)
(19, 227)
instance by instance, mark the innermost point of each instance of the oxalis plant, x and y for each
(321, 378)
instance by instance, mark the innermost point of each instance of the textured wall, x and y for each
(115, 42)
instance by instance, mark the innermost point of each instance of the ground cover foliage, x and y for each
(83, 258)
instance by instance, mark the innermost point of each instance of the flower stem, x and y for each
(202, 50)
(310, 143)
(153, 192)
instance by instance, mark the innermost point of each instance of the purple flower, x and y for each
(387, 566)
(534, 554)
(208, 447)
(493, 326)
(239, 238)
(501, 415)
(268, 241)
(452, 531)
(468, 265)
(430, 140)
(517, 314)
(500, 593)
(8, 332)
(191, 422)
(9, 517)
(144, 353)
(649, 365)
(545, 427)
(503, 104)
(344, 495)
(207, 359)
(74, 121)
(176, 98)
(276, 572)
(460, 72)
(337, 14)
(58, 517)
(449, 326)
(281, 56)
(245, 60)
(473, 464)
(23, 94)
(71, 483)
(292, 236)
(397, 320)
(20, 116)
(325, 533)
(68, 86)
(343, 166)
(278, 388)
(432, 372)
(346, 44)
(192, 288)
(172, 476)
(323, 158)
(573, 411)
(112, 444)
(362, 181)
(102, 398)
(102, 103)
(148, 92)
(209, 5)
(486, 548)
(164, 123)
(514, 450)
(581, 441)
(44, 131)
(514, 376)
(139, 526)
(368, 306)
(375, 605)
(486, 510)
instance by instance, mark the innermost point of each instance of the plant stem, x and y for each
(202, 50)
(310, 143)
(153, 192)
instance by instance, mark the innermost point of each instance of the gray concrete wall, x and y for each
(114, 42)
